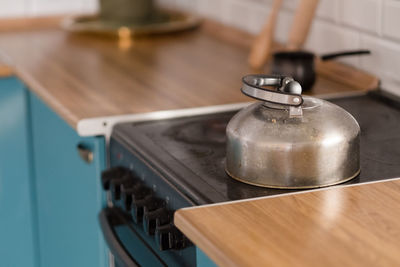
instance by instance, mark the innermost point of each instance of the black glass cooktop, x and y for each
(193, 148)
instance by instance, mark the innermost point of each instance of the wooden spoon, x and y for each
(301, 24)
(261, 48)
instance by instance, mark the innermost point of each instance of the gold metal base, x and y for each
(162, 22)
(293, 187)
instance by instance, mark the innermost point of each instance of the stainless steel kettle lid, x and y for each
(288, 140)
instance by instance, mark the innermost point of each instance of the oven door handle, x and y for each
(107, 220)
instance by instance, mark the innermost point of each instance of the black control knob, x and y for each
(111, 174)
(163, 236)
(139, 201)
(179, 240)
(135, 189)
(153, 217)
(117, 184)
(169, 237)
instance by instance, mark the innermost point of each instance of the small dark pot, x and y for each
(299, 65)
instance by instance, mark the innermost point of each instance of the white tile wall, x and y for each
(339, 24)
(13, 8)
(241, 15)
(328, 10)
(391, 19)
(386, 57)
(362, 14)
(22, 8)
(210, 8)
(334, 39)
(44, 7)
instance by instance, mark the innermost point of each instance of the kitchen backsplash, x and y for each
(28, 8)
(339, 25)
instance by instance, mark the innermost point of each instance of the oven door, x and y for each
(126, 245)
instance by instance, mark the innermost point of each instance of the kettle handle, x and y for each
(288, 91)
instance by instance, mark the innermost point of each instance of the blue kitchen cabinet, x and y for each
(68, 192)
(49, 196)
(203, 260)
(17, 221)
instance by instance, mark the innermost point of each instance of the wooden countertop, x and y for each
(340, 226)
(85, 76)
(5, 69)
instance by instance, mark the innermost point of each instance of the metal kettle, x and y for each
(287, 140)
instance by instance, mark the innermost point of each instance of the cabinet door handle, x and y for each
(85, 153)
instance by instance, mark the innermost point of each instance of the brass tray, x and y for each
(161, 22)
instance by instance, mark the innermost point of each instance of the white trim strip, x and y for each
(104, 125)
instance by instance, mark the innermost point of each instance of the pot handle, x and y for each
(344, 54)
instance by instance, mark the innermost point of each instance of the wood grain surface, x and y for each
(85, 76)
(5, 71)
(29, 23)
(301, 23)
(262, 46)
(340, 226)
